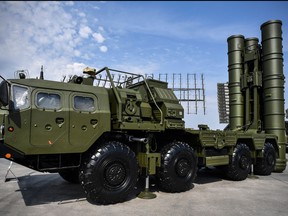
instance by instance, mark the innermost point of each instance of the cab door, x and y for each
(86, 120)
(49, 121)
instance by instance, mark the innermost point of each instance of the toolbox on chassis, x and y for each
(107, 137)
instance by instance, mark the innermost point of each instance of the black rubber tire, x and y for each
(178, 167)
(70, 175)
(110, 175)
(240, 165)
(266, 165)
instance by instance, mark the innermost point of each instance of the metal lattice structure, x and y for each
(185, 86)
(189, 92)
(223, 102)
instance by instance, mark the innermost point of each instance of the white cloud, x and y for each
(101, 28)
(85, 31)
(76, 67)
(69, 3)
(81, 14)
(77, 53)
(51, 34)
(98, 37)
(103, 49)
(69, 70)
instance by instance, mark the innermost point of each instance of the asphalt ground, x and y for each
(35, 193)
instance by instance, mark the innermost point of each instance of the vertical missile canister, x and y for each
(273, 86)
(235, 69)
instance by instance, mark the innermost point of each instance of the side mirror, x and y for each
(4, 96)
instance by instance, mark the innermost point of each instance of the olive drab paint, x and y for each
(256, 85)
(252, 83)
(235, 69)
(273, 86)
(107, 137)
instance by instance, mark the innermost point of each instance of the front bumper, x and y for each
(5, 150)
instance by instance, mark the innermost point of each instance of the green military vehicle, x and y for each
(107, 138)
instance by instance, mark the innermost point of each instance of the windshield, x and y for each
(20, 97)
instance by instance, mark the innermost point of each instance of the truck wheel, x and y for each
(70, 175)
(239, 167)
(266, 165)
(111, 173)
(178, 167)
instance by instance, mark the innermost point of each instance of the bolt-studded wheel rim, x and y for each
(182, 167)
(115, 174)
(244, 163)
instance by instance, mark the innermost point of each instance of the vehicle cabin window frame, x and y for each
(48, 100)
(84, 103)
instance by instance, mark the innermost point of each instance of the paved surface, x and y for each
(47, 194)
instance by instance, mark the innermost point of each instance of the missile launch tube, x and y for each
(235, 69)
(273, 86)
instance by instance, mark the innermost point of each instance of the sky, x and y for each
(146, 37)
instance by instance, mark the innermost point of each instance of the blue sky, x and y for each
(140, 37)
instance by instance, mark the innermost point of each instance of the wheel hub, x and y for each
(182, 167)
(115, 174)
(243, 162)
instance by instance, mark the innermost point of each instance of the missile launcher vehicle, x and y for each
(109, 138)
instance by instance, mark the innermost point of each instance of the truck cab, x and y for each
(40, 117)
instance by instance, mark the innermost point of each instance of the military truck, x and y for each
(108, 138)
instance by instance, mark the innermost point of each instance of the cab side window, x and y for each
(48, 101)
(82, 103)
